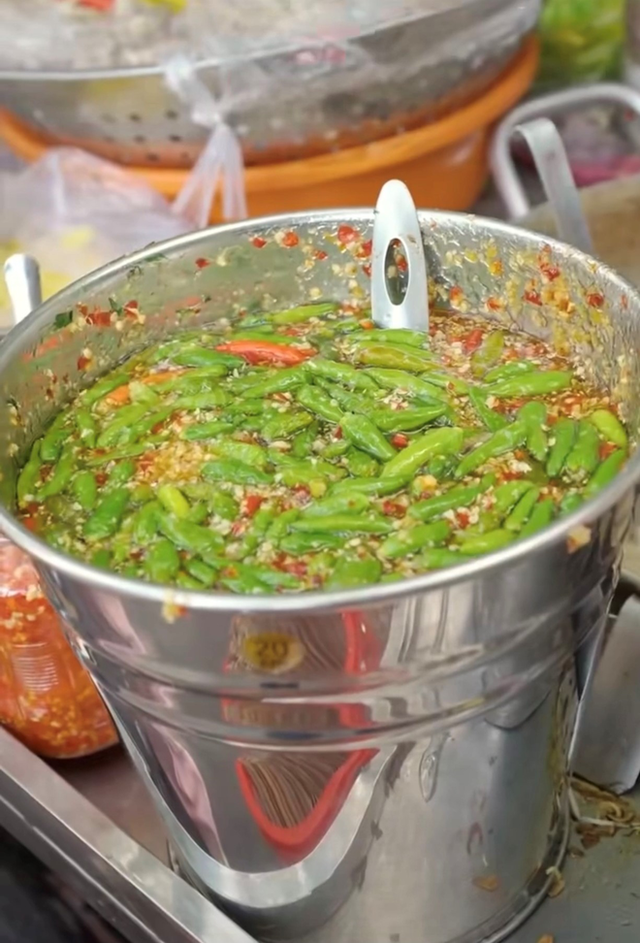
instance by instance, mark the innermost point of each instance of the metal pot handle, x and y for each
(564, 202)
(22, 277)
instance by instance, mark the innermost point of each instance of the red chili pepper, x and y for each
(472, 340)
(296, 568)
(290, 240)
(367, 325)
(101, 318)
(533, 297)
(258, 352)
(493, 304)
(400, 440)
(258, 242)
(595, 299)
(102, 5)
(252, 504)
(606, 449)
(393, 509)
(337, 432)
(83, 362)
(364, 252)
(463, 517)
(367, 269)
(347, 235)
(131, 309)
(202, 263)
(455, 295)
(320, 255)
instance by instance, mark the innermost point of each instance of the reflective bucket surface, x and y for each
(372, 765)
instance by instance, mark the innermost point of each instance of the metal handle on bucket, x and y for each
(503, 168)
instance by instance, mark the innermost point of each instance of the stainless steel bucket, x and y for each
(368, 766)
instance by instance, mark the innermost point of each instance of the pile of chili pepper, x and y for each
(305, 448)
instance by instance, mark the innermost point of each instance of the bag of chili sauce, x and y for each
(47, 699)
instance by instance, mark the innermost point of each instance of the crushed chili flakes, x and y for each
(258, 242)
(202, 263)
(290, 240)
(47, 699)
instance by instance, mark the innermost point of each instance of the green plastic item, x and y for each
(581, 41)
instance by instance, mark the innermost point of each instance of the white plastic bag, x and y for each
(75, 212)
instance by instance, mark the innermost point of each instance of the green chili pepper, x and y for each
(351, 571)
(506, 371)
(360, 464)
(236, 472)
(187, 536)
(207, 430)
(488, 354)
(204, 357)
(29, 476)
(605, 472)
(536, 383)
(54, 438)
(297, 545)
(127, 451)
(162, 562)
(85, 490)
(302, 445)
(280, 526)
(347, 503)
(489, 542)
(314, 399)
(442, 466)
(239, 579)
(489, 417)
(344, 524)
(121, 473)
(542, 515)
(173, 500)
(523, 510)
(406, 420)
(507, 495)
(336, 448)
(286, 424)
(61, 475)
(348, 401)
(145, 523)
(407, 383)
(381, 487)
(502, 441)
(339, 372)
(210, 399)
(436, 442)
(563, 439)
(103, 388)
(303, 313)
(438, 558)
(610, 427)
(126, 416)
(391, 335)
(102, 559)
(86, 427)
(197, 513)
(143, 393)
(461, 496)
(362, 432)
(280, 382)
(411, 540)
(583, 458)
(534, 416)
(205, 574)
(392, 356)
(105, 520)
